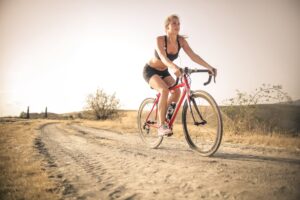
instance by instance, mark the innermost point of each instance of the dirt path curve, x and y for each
(97, 164)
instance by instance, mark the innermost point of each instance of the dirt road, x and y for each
(95, 164)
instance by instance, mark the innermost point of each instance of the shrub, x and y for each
(103, 105)
(23, 115)
(243, 112)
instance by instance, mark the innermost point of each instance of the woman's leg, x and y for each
(158, 84)
(169, 80)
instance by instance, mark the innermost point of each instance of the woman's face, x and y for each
(174, 26)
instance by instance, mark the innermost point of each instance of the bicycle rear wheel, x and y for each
(202, 123)
(147, 123)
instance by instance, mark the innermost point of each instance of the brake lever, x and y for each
(209, 79)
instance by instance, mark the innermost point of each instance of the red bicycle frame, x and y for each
(186, 93)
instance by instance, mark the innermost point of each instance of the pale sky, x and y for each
(55, 52)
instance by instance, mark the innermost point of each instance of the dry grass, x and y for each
(126, 123)
(275, 140)
(22, 176)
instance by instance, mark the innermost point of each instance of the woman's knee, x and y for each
(163, 91)
(158, 84)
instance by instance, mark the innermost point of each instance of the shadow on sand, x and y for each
(255, 158)
(232, 156)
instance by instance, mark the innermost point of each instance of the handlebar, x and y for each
(189, 71)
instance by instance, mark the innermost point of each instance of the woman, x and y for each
(156, 70)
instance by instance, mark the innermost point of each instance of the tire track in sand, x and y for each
(97, 164)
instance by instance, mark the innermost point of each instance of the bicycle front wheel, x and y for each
(202, 123)
(148, 122)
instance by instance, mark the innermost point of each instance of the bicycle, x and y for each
(201, 117)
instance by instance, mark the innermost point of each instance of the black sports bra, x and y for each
(170, 56)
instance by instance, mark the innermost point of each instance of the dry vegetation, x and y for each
(22, 174)
(246, 119)
(127, 123)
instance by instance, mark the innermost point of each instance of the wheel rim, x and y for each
(148, 130)
(203, 138)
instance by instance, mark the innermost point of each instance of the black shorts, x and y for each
(149, 71)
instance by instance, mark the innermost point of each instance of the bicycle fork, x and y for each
(191, 101)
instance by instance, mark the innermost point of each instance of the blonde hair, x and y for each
(169, 19)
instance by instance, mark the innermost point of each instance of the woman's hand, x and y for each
(177, 71)
(213, 71)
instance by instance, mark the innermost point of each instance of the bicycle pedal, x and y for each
(200, 123)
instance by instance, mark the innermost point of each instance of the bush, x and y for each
(103, 105)
(244, 112)
(23, 115)
(80, 115)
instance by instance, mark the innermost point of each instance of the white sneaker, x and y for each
(164, 130)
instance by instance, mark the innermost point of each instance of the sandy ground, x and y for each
(97, 164)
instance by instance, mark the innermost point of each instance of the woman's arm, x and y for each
(196, 58)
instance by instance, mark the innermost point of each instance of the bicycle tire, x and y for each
(147, 133)
(192, 131)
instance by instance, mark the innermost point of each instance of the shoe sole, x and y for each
(166, 135)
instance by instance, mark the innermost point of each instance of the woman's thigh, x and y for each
(157, 83)
(169, 80)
